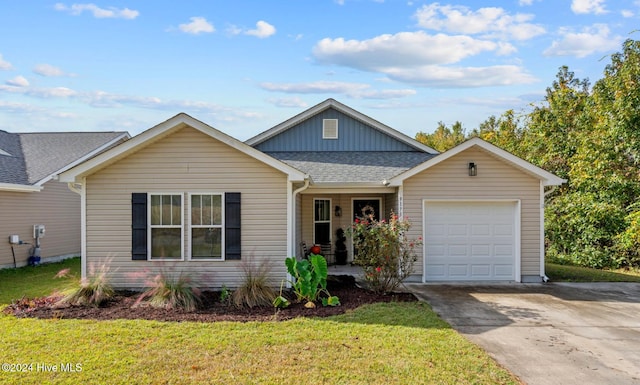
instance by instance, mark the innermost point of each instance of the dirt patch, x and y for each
(212, 309)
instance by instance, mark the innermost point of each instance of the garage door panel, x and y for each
(481, 270)
(470, 241)
(460, 271)
(480, 229)
(480, 250)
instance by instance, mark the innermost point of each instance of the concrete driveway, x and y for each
(553, 333)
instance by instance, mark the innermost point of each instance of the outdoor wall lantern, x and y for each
(338, 211)
(473, 169)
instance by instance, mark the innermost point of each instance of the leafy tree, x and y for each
(443, 138)
(505, 132)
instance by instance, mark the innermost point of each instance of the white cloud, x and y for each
(401, 49)
(18, 81)
(525, 2)
(580, 44)
(43, 93)
(262, 30)
(288, 102)
(487, 21)
(627, 13)
(197, 26)
(462, 77)
(354, 90)
(5, 65)
(49, 71)
(34, 112)
(99, 13)
(588, 6)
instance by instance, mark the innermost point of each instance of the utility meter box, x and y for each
(14, 239)
(38, 231)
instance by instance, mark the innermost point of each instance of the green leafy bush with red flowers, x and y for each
(383, 250)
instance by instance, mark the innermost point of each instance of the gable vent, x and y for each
(330, 129)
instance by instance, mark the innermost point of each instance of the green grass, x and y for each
(35, 281)
(570, 273)
(385, 343)
(396, 343)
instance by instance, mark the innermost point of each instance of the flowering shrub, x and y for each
(384, 252)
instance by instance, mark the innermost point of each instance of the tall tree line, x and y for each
(591, 137)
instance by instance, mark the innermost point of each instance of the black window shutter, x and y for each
(232, 226)
(139, 226)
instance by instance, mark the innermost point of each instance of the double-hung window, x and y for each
(212, 226)
(207, 239)
(166, 234)
(322, 221)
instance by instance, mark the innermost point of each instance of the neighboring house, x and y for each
(30, 194)
(185, 197)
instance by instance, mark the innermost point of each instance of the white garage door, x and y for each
(470, 241)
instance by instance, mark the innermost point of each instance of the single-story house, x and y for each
(31, 197)
(185, 197)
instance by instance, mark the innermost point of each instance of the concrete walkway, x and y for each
(554, 333)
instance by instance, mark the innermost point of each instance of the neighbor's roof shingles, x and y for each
(35, 156)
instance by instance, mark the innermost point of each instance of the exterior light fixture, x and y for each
(338, 211)
(473, 169)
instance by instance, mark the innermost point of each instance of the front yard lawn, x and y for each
(384, 343)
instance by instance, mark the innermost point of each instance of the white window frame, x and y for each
(329, 221)
(221, 226)
(150, 256)
(324, 129)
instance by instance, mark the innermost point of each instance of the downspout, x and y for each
(294, 237)
(78, 188)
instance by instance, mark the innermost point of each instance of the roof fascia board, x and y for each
(125, 136)
(547, 178)
(163, 129)
(19, 187)
(345, 110)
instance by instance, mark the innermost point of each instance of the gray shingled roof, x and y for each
(12, 167)
(352, 167)
(35, 156)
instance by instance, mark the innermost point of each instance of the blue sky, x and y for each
(245, 66)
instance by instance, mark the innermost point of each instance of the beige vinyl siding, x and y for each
(183, 162)
(495, 180)
(56, 207)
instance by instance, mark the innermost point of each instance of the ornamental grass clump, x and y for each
(384, 251)
(167, 292)
(255, 289)
(94, 290)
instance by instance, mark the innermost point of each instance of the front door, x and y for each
(363, 208)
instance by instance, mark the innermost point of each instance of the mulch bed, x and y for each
(212, 310)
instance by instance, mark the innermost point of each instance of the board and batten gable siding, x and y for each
(56, 207)
(353, 135)
(496, 179)
(183, 162)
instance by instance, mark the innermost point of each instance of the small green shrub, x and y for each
(93, 290)
(255, 290)
(166, 292)
(225, 295)
(281, 301)
(310, 279)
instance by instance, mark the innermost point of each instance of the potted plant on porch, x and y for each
(341, 247)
